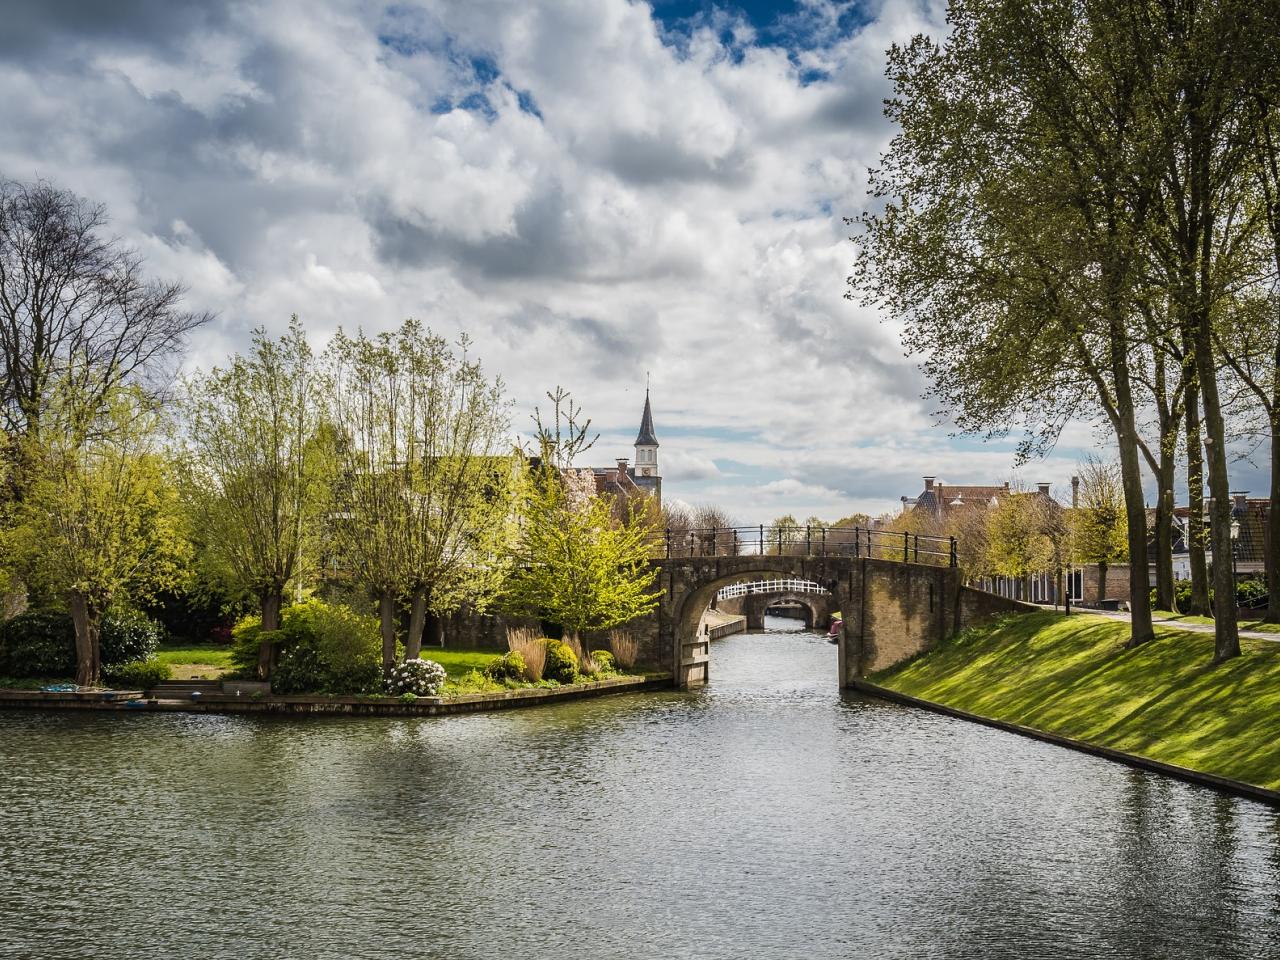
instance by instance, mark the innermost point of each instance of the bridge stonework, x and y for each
(892, 610)
(752, 607)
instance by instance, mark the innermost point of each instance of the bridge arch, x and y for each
(893, 609)
(813, 612)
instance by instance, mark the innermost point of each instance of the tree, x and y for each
(256, 467)
(1020, 540)
(576, 564)
(75, 307)
(1098, 523)
(783, 536)
(100, 521)
(1025, 193)
(427, 480)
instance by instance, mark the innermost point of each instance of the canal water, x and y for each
(765, 816)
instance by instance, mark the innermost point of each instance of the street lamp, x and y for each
(1235, 540)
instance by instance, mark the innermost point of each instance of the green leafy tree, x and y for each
(576, 563)
(100, 522)
(1099, 529)
(1019, 541)
(428, 479)
(256, 466)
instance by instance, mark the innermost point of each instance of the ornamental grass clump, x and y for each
(423, 678)
(532, 648)
(626, 648)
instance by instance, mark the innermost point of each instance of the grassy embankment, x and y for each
(1258, 626)
(1072, 676)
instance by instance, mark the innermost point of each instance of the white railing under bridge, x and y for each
(769, 586)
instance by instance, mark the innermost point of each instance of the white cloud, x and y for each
(587, 195)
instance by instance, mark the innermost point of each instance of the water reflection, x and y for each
(766, 815)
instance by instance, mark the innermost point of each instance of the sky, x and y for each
(595, 191)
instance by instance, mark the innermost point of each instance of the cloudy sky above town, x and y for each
(593, 190)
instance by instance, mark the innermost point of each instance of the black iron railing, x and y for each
(810, 541)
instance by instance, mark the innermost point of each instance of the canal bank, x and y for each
(1071, 681)
(258, 702)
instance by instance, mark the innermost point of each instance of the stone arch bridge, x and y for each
(753, 600)
(899, 596)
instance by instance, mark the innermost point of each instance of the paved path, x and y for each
(1165, 622)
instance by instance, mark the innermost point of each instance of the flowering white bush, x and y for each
(422, 678)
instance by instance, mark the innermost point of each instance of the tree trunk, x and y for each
(1271, 548)
(1165, 598)
(1135, 508)
(417, 617)
(1198, 604)
(387, 621)
(1226, 643)
(270, 602)
(88, 657)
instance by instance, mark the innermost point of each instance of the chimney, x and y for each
(1044, 489)
(928, 484)
(622, 465)
(1006, 486)
(1239, 500)
(1075, 492)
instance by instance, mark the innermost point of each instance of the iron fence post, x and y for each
(906, 547)
(824, 541)
(762, 550)
(715, 540)
(857, 541)
(808, 540)
(668, 543)
(954, 559)
(915, 540)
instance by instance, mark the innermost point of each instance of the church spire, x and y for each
(647, 438)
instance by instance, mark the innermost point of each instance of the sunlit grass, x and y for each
(196, 660)
(1258, 626)
(1073, 676)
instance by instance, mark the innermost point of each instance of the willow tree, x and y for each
(427, 479)
(100, 521)
(576, 563)
(256, 467)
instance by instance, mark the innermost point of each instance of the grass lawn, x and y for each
(1259, 626)
(200, 660)
(458, 662)
(1072, 676)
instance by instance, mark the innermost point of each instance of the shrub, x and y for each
(38, 643)
(246, 636)
(326, 648)
(603, 662)
(127, 636)
(42, 643)
(562, 662)
(139, 674)
(423, 678)
(509, 666)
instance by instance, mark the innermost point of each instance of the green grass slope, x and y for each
(1072, 676)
